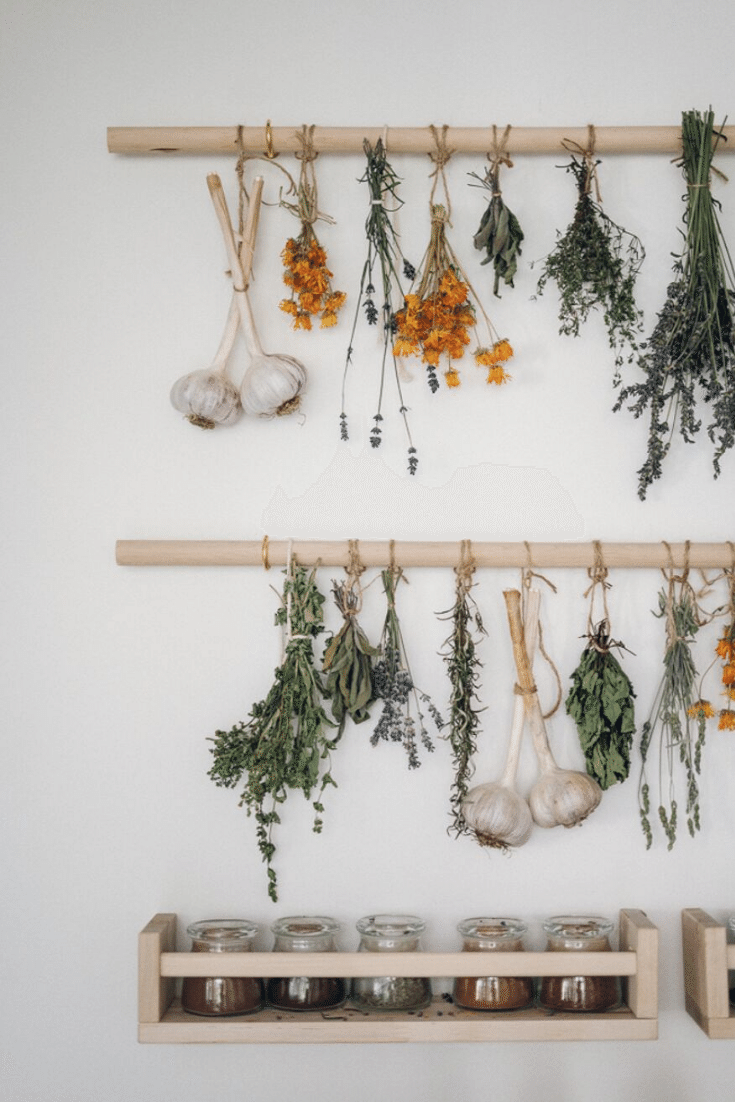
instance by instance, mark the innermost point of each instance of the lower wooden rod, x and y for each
(267, 140)
(380, 553)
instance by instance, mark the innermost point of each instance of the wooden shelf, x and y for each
(707, 958)
(162, 1021)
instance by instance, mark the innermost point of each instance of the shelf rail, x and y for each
(415, 553)
(270, 141)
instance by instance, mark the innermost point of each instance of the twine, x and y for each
(440, 159)
(465, 569)
(598, 577)
(497, 156)
(527, 573)
(590, 163)
(354, 569)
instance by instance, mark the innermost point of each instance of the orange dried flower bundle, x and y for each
(440, 314)
(725, 650)
(304, 259)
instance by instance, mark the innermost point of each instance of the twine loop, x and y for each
(440, 158)
(589, 158)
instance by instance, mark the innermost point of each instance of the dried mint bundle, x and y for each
(691, 351)
(286, 743)
(348, 660)
(463, 666)
(595, 264)
(499, 234)
(672, 716)
(601, 703)
(394, 685)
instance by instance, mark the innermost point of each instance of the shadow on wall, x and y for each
(352, 499)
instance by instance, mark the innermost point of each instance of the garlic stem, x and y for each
(508, 778)
(239, 282)
(526, 682)
(219, 363)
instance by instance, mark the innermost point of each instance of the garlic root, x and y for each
(560, 797)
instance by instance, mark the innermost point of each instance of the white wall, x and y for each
(115, 678)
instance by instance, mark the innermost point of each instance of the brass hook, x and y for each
(269, 151)
(264, 553)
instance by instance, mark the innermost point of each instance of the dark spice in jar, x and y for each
(221, 996)
(579, 993)
(487, 935)
(311, 935)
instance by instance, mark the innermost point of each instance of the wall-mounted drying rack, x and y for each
(376, 553)
(349, 139)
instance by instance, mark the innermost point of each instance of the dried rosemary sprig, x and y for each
(463, 666)
(595, 264)
(348, 661)
(691, 352)
(285, 743)
(394, 685)
(383, 260)
(601, 703)
(499, 234)
(671, 718)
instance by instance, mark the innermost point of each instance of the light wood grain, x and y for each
(706, 958)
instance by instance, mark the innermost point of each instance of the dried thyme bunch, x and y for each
(691, 351)
(394, 685)
(672, 717)
(595, 264)
(383, 260)
(285, 744)
(349, 658)
(499, 234)
(463, 666)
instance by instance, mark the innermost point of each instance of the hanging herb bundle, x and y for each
(691, 351)
(285, 744)
(595, 264)
(438, 316)
(463, 666)
(499, 234)
(383, 260)
(304, 259)
(349, 657)
(672, 717)
(394, 685)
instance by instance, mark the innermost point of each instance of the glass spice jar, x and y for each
(222, 996)
(489, 935)
(390, 934)
(305, 934)
(572, 933)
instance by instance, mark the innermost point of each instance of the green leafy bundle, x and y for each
(348, 662)
(595, 264)
(284, 745)
(691, 352)
(601, 703)
(499, 234)
(394, 685)
(671, 719)
(463, 666)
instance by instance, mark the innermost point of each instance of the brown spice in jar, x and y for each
(580, 992)
(306, 993)
(220, 996)
(493, 992)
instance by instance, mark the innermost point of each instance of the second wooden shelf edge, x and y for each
(707, 957)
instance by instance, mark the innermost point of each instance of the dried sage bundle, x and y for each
(285, 744)
(348, 660)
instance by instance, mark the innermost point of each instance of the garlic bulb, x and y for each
(498, 815)
(272, 384)
(561, 797)
(207, 397)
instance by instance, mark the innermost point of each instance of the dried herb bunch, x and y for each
(691, 351)
(594, 265)
(463, 666)
(672, 717)
(499, 234)
(304, 259)
(348, 657)
(382, 263)
(286, 743)
(394, 685)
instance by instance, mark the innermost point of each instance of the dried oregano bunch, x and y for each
(595, 264)
(672, 717)
(394, 685)
(691, 352)
(286, 742)
(463, 666)
(349, 658)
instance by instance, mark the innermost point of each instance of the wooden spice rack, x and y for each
(162, 1021)
(707, 958)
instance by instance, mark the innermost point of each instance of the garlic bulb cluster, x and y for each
(560, 797)
(208, 397)
(496, 812)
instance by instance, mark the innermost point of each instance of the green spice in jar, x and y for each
(390, 934)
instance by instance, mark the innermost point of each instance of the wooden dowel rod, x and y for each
(418, 139)
(411, 553)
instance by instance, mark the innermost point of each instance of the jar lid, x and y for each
(492, 929)
(580, 928)
(223, 932)
(305, 926)
(390, 925)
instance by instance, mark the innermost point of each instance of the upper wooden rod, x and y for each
(378, 553)
(400, 139)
